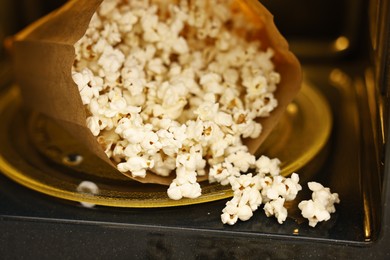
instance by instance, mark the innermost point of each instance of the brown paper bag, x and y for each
(44, 55)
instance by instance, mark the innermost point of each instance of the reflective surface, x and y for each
(40, 156)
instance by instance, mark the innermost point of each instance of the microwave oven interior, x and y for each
(344, 50)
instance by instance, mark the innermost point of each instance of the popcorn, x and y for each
(256, 86)
(93, 125)
(265, 165)
(163, 164)
(292, 187)
(184, 185)
(88, 85)
(276, 208)
(245, 125)
(111, 61)
(242, 160)
(254, 189)
(279, 186)
(273, 190)
(137, 165)
(324, 196)
(221, 172)
(229, 215)
(126, 22)
(320, 206)
(87, 187)
(264, 105)
(246, 199)
(172, 87)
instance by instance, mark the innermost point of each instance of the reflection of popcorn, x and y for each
(320, 206)
(178, 85)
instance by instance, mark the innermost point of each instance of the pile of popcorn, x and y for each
(172, 87)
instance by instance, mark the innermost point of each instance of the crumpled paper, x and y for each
(44, 54)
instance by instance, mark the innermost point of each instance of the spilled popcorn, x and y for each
(87, 187)
(320, 206)
(172, 87)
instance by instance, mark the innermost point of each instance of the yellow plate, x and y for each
(299, 137)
